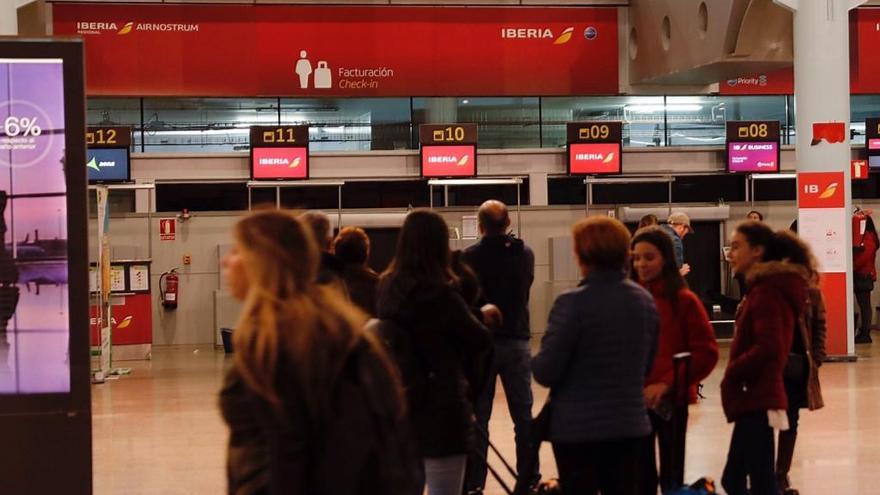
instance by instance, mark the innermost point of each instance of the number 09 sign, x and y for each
(594, 148)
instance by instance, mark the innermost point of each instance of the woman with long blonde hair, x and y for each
(312, 402)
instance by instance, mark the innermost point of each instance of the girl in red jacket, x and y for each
(684, 327)
(752, 392)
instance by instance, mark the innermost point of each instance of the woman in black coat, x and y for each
(444, 360)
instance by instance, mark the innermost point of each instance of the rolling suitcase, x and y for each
(521, 487)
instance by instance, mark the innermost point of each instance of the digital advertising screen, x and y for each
(872, 143)
(594, 148)
(594, 158)
(753, 146)
(753, 157)
(106, 165)
(34, 293)
(279, 152)
(457, 161)
(280, 163)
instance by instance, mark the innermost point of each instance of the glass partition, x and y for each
(351, 124)
(642, 116)
(204, 125)
(501, 122)
(700, 120)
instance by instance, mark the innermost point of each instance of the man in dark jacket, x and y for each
(505, 267)
(678, 226)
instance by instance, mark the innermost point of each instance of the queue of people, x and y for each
(322, 400)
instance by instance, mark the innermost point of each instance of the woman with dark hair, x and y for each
(684, 327)
(448, 346)
(752, 391)
(864, 271)
(755, 215)
(801, 374)
(351, 247)
(648, 220)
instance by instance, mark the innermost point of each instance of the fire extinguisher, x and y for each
(169, 292)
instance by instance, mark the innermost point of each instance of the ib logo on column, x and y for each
(320, 76)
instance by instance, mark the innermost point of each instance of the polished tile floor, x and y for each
(158, 431)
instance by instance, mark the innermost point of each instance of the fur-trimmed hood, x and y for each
(789, 279)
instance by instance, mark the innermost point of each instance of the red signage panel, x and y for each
(859, 169)
(864, 57)
(280, 163)
(167, 228)
(594, 158)
(449, 161)
(821, 190)
(131, 320)
(318, 51)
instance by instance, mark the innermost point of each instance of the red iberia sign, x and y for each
(280, 163)
(594, 158)
(449, 161)
(326, 51)
(821, 190)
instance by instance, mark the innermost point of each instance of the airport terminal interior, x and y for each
(135, 136)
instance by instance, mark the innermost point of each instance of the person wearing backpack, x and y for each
(684, 327)
(442, 347)
(313, 403)
(801, 373)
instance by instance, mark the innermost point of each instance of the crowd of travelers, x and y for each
(346, 381)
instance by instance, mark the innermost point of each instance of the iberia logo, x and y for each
(450, 159)
(545, 34)
(117, 325)
(126, 28)
(829, 191)
(565, 37)
(820, 190)
(281, 161)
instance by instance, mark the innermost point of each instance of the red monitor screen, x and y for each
(449, 161)
(280, 163)
(593, 158)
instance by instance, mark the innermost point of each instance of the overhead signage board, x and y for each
(594, 148)
(108, 159)
(280, 152)
(322, 51)
(448, 150)
(753, 146)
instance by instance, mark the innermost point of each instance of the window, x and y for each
(501, 122)
(642, 116)
(700, 120)
(204, 125)
(862, 107)
(117, 111)
(351, 124)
